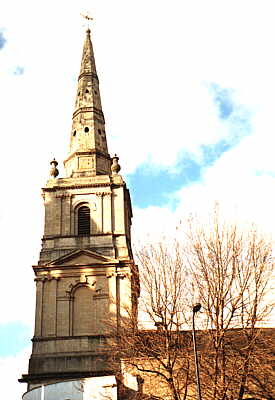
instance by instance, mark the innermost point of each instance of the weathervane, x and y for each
(88, 18)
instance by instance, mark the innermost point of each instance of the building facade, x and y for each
(86, 276)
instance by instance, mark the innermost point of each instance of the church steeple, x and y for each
(86, 275)
(88, 153)
(88, 60)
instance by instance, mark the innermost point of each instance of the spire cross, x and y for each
(88, 19)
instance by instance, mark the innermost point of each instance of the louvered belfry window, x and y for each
(84, 220)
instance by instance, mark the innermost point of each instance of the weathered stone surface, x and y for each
(86, 263)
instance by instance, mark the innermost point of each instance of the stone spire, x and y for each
(86, 274)
(88, 153)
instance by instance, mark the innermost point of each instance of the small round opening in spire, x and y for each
(87, 91)
(86, 129)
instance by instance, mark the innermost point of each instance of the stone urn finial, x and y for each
(115, 167)
(54, 171)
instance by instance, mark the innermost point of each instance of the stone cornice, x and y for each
(89, 109)
(88, 74)
(87, 153)
(78, 186)
(96, 270)
(53, 237)
(49, 339)
(65, 186)
(26, 378)
(69, 195)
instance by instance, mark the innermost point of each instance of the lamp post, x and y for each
(196, 308)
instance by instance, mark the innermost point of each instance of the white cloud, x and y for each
(11, 369)
(155, 59)
(154, 64)
(152, 222)
(233, 181)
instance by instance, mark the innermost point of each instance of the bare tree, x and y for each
(229, 270)
(158, 349)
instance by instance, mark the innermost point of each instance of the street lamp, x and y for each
(196, 308)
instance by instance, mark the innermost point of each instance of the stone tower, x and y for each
(86, 273)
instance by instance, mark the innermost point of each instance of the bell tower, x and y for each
(86, 274)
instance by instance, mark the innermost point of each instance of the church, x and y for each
(87, 283)
(86, 275)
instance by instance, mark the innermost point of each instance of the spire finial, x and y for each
(88, 18)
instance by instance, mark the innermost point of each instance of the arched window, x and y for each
(84, 221)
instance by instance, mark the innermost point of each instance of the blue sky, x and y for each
(152, 186)
(2, 40)
(13, 337)
(187, 90)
